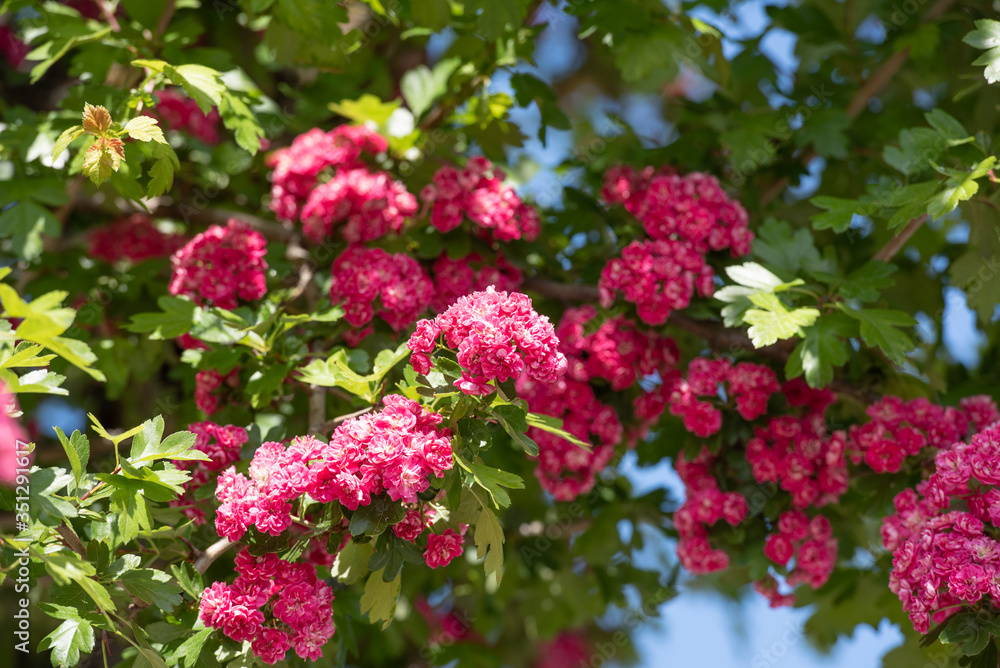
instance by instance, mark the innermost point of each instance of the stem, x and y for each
(894, 245)
(93, 489)
(317, 408)
(213, 552)
(330, 424)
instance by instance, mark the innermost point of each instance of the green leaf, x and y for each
(494, 16)
(489, 542)
(960, 188)
(147, 438)
(161, 174)
(867, 282)
(879, 330)
(474, 433)
(554, 426)
(985, 36)
(175, 320)
(69, 639)
(186, 655)
(493, 481)
(366, 108)
(391, 552)
(77, 449)
(65, 139)
(379, 598)
(236, 116)
(352, 562)
(434, 14)
(839, 213)
(203, 84)
(947, 126)
(153, 586)
(102, 159)
(55, 51)
(965, 630)
(24, 224)
(422, 86)
(514, 422)
(144, 128)
(377, 516)
(826, 132)
(786, 250)
(820, 351)
(773, 322)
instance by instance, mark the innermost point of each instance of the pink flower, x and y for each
(134, 238)
(443, 548)
(221, 264)
(779, 548)
(497, 335)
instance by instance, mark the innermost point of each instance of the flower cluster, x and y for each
(616, 350)
(10, 433)
(391, 452)
(692, 208)
(366, 278)
(221, 264)
(566, 470)
(179, 112)
(454, 278)
(568, 649)
(498, 335)
(945, 553)
(477, 191)
(704, 505)
(273, 604)
(685, 217)
(135, 238)
(901, 428)
(442, 548)
(747, 385)
(799, 455)
(11, 46)
(810, 542)
(207, 386)
(222, 444)
(658, 277)
(414, 522)
(369, 203)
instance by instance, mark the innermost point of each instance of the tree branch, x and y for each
(213, 552)
(330, 424)
(872, 87)
(897, 242)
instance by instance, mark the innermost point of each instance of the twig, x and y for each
(211, 553)
(330, 424)
(71, 539)
(897, 242)
(317, 408)
(165, 17)
(863, 96)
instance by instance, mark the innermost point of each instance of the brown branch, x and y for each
(872, 87)
(330, 424)
(211, 553)
(71, 539)
(894, 245)
(317, 408)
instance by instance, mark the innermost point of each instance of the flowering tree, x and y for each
(360, 380)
